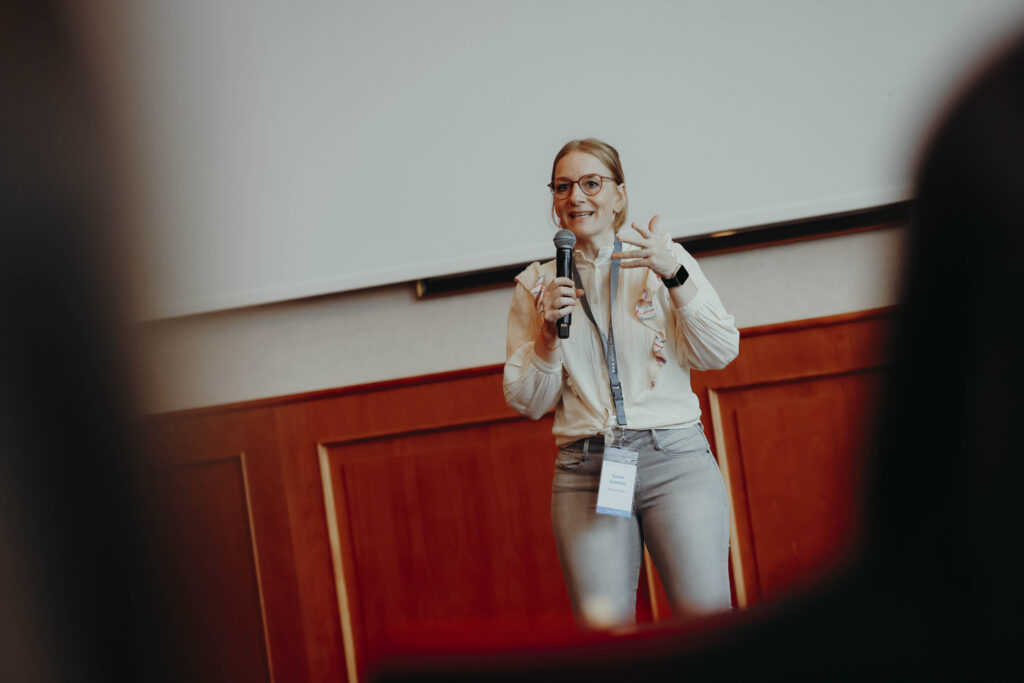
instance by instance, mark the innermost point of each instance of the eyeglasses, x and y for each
(590, 185)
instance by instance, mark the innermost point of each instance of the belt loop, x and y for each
(586, 449)
(654, 437)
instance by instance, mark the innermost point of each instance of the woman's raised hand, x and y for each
(654, 251)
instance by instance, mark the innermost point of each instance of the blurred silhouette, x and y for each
(945, 501)
(74, 576)
(933, 593)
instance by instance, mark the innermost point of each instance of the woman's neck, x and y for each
(590, 247)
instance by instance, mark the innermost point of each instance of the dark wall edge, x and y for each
(752, 237)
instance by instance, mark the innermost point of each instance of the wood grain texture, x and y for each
(185, 444)
(211, 560)
(796, 388)
(794, 460)
(417, 512)
(445, 527)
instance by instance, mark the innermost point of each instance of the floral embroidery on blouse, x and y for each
(645, 306)
(659, 347)
(538, 294)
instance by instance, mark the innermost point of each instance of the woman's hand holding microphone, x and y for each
(559, 300)
(562, 297)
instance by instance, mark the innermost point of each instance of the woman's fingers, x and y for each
(561, 299)
(650, 230)
(652, 252)
(633, 257)
(631, 240)
(647, 233)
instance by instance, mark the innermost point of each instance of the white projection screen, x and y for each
(292, 149)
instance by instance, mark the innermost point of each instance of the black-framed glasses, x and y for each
(590, 184)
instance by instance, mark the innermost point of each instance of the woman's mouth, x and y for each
(580, 214)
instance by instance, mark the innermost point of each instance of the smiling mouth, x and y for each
(580, 214)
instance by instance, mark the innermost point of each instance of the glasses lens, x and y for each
(561, 188)
(590, 184)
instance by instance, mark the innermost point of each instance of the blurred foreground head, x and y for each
(945, 504)
(950, 441)
(73, 587)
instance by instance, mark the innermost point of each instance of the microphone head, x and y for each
(565, 239)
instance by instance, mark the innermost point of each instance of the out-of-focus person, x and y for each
(76, 599)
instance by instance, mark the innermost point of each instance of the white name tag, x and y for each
(618, 480)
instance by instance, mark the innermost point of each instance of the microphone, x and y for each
(564, 242)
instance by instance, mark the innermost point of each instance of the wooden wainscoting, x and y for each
(790, 418)
(311, 535)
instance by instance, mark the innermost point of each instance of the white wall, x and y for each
(292, 149)
(386, 333)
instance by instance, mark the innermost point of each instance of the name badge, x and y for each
(618, 481)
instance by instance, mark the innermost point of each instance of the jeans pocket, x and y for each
(569, 458)
(689, 441)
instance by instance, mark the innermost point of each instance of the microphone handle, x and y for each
(563, 261)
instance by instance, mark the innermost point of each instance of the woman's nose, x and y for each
(577, 193)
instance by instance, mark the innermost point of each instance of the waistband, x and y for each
(620, 436)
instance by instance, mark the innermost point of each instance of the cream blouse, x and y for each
(656, 346)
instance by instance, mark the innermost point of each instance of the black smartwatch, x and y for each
(677, 279)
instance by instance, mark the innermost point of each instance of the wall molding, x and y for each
(720, 242)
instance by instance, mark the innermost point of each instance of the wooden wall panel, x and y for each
(418, 510)
(211, 561)
(442, 528)
(185, 447)
(793, 456)
(788, 420)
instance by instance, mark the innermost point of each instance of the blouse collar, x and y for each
(604, 255)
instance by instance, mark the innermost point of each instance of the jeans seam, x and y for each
(687, 454)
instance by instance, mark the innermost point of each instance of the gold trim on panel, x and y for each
(240, 459)
(256, 564)
(723, 464)
(651, 595)
(334, 536)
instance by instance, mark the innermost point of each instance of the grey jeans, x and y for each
(680, 511)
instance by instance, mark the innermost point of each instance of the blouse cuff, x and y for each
(542, 365)
(693, 306)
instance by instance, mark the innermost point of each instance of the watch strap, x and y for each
(678, 278)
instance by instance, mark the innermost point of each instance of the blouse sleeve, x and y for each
(707, 334)
(532, 386)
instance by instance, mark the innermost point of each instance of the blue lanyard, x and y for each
(607, 341)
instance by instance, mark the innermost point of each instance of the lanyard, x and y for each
(607, 341)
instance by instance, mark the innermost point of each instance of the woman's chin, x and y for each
(587, 231)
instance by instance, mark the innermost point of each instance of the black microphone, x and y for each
(564, 243)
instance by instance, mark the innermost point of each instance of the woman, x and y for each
(666, 320)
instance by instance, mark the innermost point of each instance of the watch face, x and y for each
(676, 280)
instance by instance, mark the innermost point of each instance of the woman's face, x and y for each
(589, 217)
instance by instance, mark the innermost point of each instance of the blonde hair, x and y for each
(608, 156)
